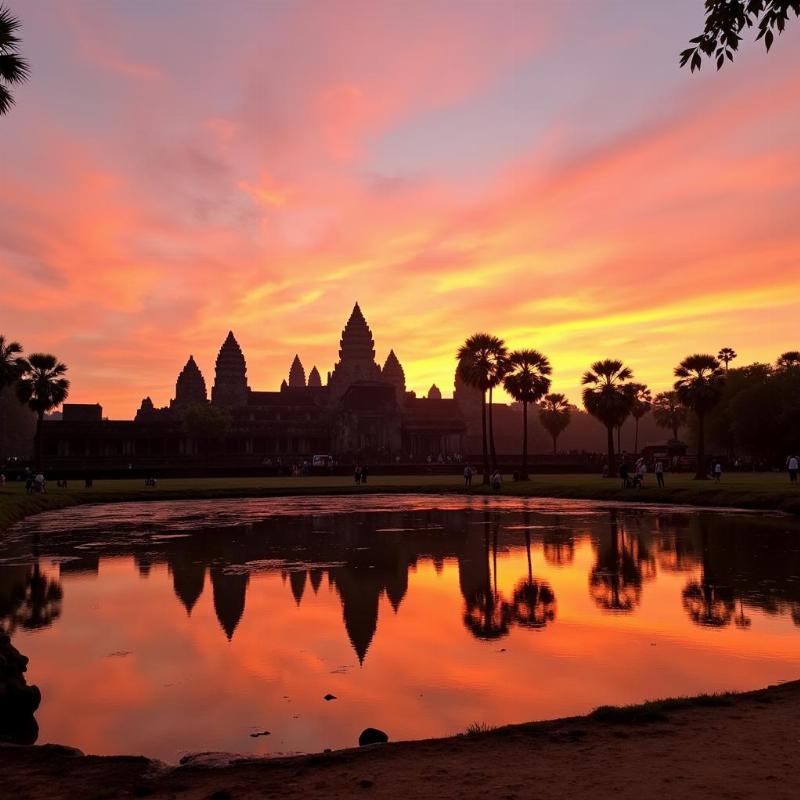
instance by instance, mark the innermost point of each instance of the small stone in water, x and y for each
(260, 733)
(372, 736)
(330, 697)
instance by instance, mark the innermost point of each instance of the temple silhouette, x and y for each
(362, 409)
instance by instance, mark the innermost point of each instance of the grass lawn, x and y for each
(767, 491)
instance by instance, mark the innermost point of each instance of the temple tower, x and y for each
(434, 393)
(190, 388)
(297, 375)
(356, 355)
(392, 372)
(230, 382)
(314, 378)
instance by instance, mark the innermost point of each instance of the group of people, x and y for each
(361, 473)
(495, 479)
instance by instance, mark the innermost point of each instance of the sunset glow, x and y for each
(543, 171)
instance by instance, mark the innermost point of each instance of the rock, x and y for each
(330, 697)
(372, 736)
(18, 701)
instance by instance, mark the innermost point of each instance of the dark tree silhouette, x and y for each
(725, 22)
(533, 602)
(788, 360)
(43, 387)
(669, 413)
(13, 68)
(726, 355)
(706, 601)
(554, 414)
(699, 387)
(481, 359)
(607, 398)
(12, 365)
(526, 380)
(206, 424)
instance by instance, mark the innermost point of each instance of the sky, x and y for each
(543, 171)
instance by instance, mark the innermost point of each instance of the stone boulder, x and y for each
(372, 736)
(18, 701)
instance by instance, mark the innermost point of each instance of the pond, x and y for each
(164, 628)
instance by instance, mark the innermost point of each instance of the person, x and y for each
(660, 473)
(793, 464)
(497, 480)
(641, 471)
(467, 476)
(357, 474)
(39, 485)
(2, 479)
(717, 471)
(623, 474)
(364, 473)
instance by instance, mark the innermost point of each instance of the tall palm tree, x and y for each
(726, 355)
(11, 362)
(642, 403)
(668, 412)
(480, 360)
(13, 68)
(699, 387)
(607, 398)
(526, 380)
(43, 387)
(554, 414)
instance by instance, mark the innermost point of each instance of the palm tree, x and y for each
(480, 361)
(607, 398)
(642, 403)
(11, 363)
(699, 387)
(668, 412)
(554, 414)
(43, 387)
(13, 68)
(726, 355)
(789, 360)
(526, 380)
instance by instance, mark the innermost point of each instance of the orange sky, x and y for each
(172, 171)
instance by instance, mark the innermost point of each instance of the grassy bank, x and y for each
(745, 490)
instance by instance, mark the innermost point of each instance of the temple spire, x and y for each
(297, 375)
(314, 378)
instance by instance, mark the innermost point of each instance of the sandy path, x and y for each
(748, 749)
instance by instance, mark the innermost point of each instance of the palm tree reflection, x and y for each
(534, 602)
(707, 602)
(615, 582)
(487, 614)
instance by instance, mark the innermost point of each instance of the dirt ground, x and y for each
(744, 746)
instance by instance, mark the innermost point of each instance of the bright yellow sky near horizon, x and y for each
(173, 171)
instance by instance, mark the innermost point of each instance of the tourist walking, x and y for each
(467, 476)
(660, 474)
(792, 465)
(717, 471)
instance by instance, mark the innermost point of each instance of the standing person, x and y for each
(497, 480)
(357, 474)
(793, 464)
(364, 473)
(717, 471)
(467, 476)
(660, 474)
(641, 471)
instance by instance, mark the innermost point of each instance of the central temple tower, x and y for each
(356, 356)
(230, 380)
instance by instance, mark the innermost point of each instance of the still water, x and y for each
(165, 628)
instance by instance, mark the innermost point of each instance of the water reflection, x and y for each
(493, 570)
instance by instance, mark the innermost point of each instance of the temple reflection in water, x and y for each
(364, 557)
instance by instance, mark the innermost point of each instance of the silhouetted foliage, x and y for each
(481, 363)
(205, 423)
(12, 365)
(42, 387)
(726, 355)
(642, 403)
(699, 387)
(526, 380)
(608, 398)
(725, 22)
(668, 412)
(13, 68)
(555, 413)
